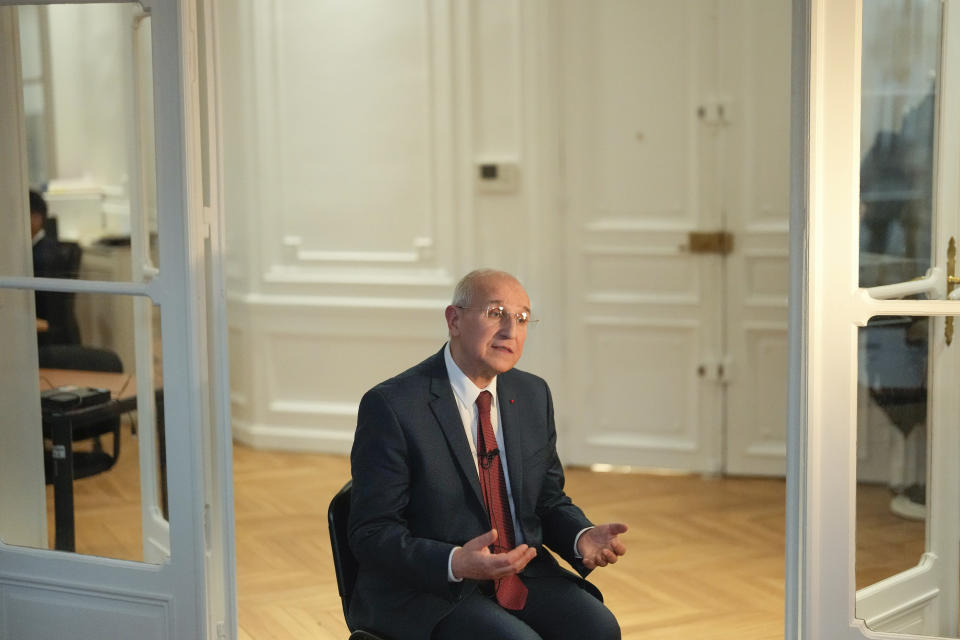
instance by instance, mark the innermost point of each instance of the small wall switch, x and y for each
(497, 177)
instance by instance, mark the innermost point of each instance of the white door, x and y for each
(182, 586)
(675, 123)
(923, 600)
(641, 126)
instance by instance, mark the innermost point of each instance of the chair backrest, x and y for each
(75, 356)
(343, 560)
(51, 228)
(68, 258)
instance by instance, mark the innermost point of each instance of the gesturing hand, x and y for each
(601, 545)
(475, 561)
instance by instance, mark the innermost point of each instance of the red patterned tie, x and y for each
(511, 592)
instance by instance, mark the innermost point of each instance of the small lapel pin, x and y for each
(511, 400)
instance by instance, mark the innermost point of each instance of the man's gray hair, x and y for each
(463, 292)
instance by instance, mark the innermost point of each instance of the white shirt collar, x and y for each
(463, 386)
(40, 236)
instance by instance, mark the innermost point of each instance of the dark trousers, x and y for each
(556, 609)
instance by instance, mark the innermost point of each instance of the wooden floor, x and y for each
(705, 559)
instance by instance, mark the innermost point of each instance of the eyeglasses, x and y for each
(496, 313)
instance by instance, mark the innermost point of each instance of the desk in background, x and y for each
(58, 426)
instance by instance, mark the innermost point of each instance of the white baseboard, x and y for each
(287, 438)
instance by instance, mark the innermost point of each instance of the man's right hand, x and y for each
(475, 561)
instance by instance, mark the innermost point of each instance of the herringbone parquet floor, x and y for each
(705, 554)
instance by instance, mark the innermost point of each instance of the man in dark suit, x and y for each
(457, 489)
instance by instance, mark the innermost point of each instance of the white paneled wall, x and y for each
(353, 131)
(90, 64)
(353, 136)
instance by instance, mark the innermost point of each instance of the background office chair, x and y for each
(77, 357)
(51, 227)
(343, 561)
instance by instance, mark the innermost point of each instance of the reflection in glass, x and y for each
(87, 90)
(900, 66)
(93, 433)
(892, 452)
(34, 45)
(901, 49)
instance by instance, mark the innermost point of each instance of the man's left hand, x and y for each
(601, 545)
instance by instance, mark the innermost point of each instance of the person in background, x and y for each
(57, 323)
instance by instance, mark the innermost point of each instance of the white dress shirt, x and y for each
(465, 393)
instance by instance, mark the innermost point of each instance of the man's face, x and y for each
(481, 346)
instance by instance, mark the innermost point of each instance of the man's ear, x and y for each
(452, 314)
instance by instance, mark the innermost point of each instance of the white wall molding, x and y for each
(80, 613)
(774, 450)
(620, 298)
(318, 408)
(421, 252)
(299, 439)
(278, 302)
(384, 275)
(74, 588)
(666, 220)
(422, 185)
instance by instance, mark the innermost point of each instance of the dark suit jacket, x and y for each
(416, 495)
(54, 259)
(46, 258)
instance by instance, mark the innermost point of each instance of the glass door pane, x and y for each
(89, 119)
(901, 53)
(906, 561)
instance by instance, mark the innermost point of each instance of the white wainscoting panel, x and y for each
(637, 405)
(766, 271)
(355, 197)
(25, 612)
(364, 136)
(637, 171)
(642, 273)
(304, 366)
(763, 373)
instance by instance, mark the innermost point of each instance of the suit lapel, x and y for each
(512, 436)
(445, 410)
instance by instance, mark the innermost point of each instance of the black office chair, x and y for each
(51, 227)
(343, 561)
(77, 357)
